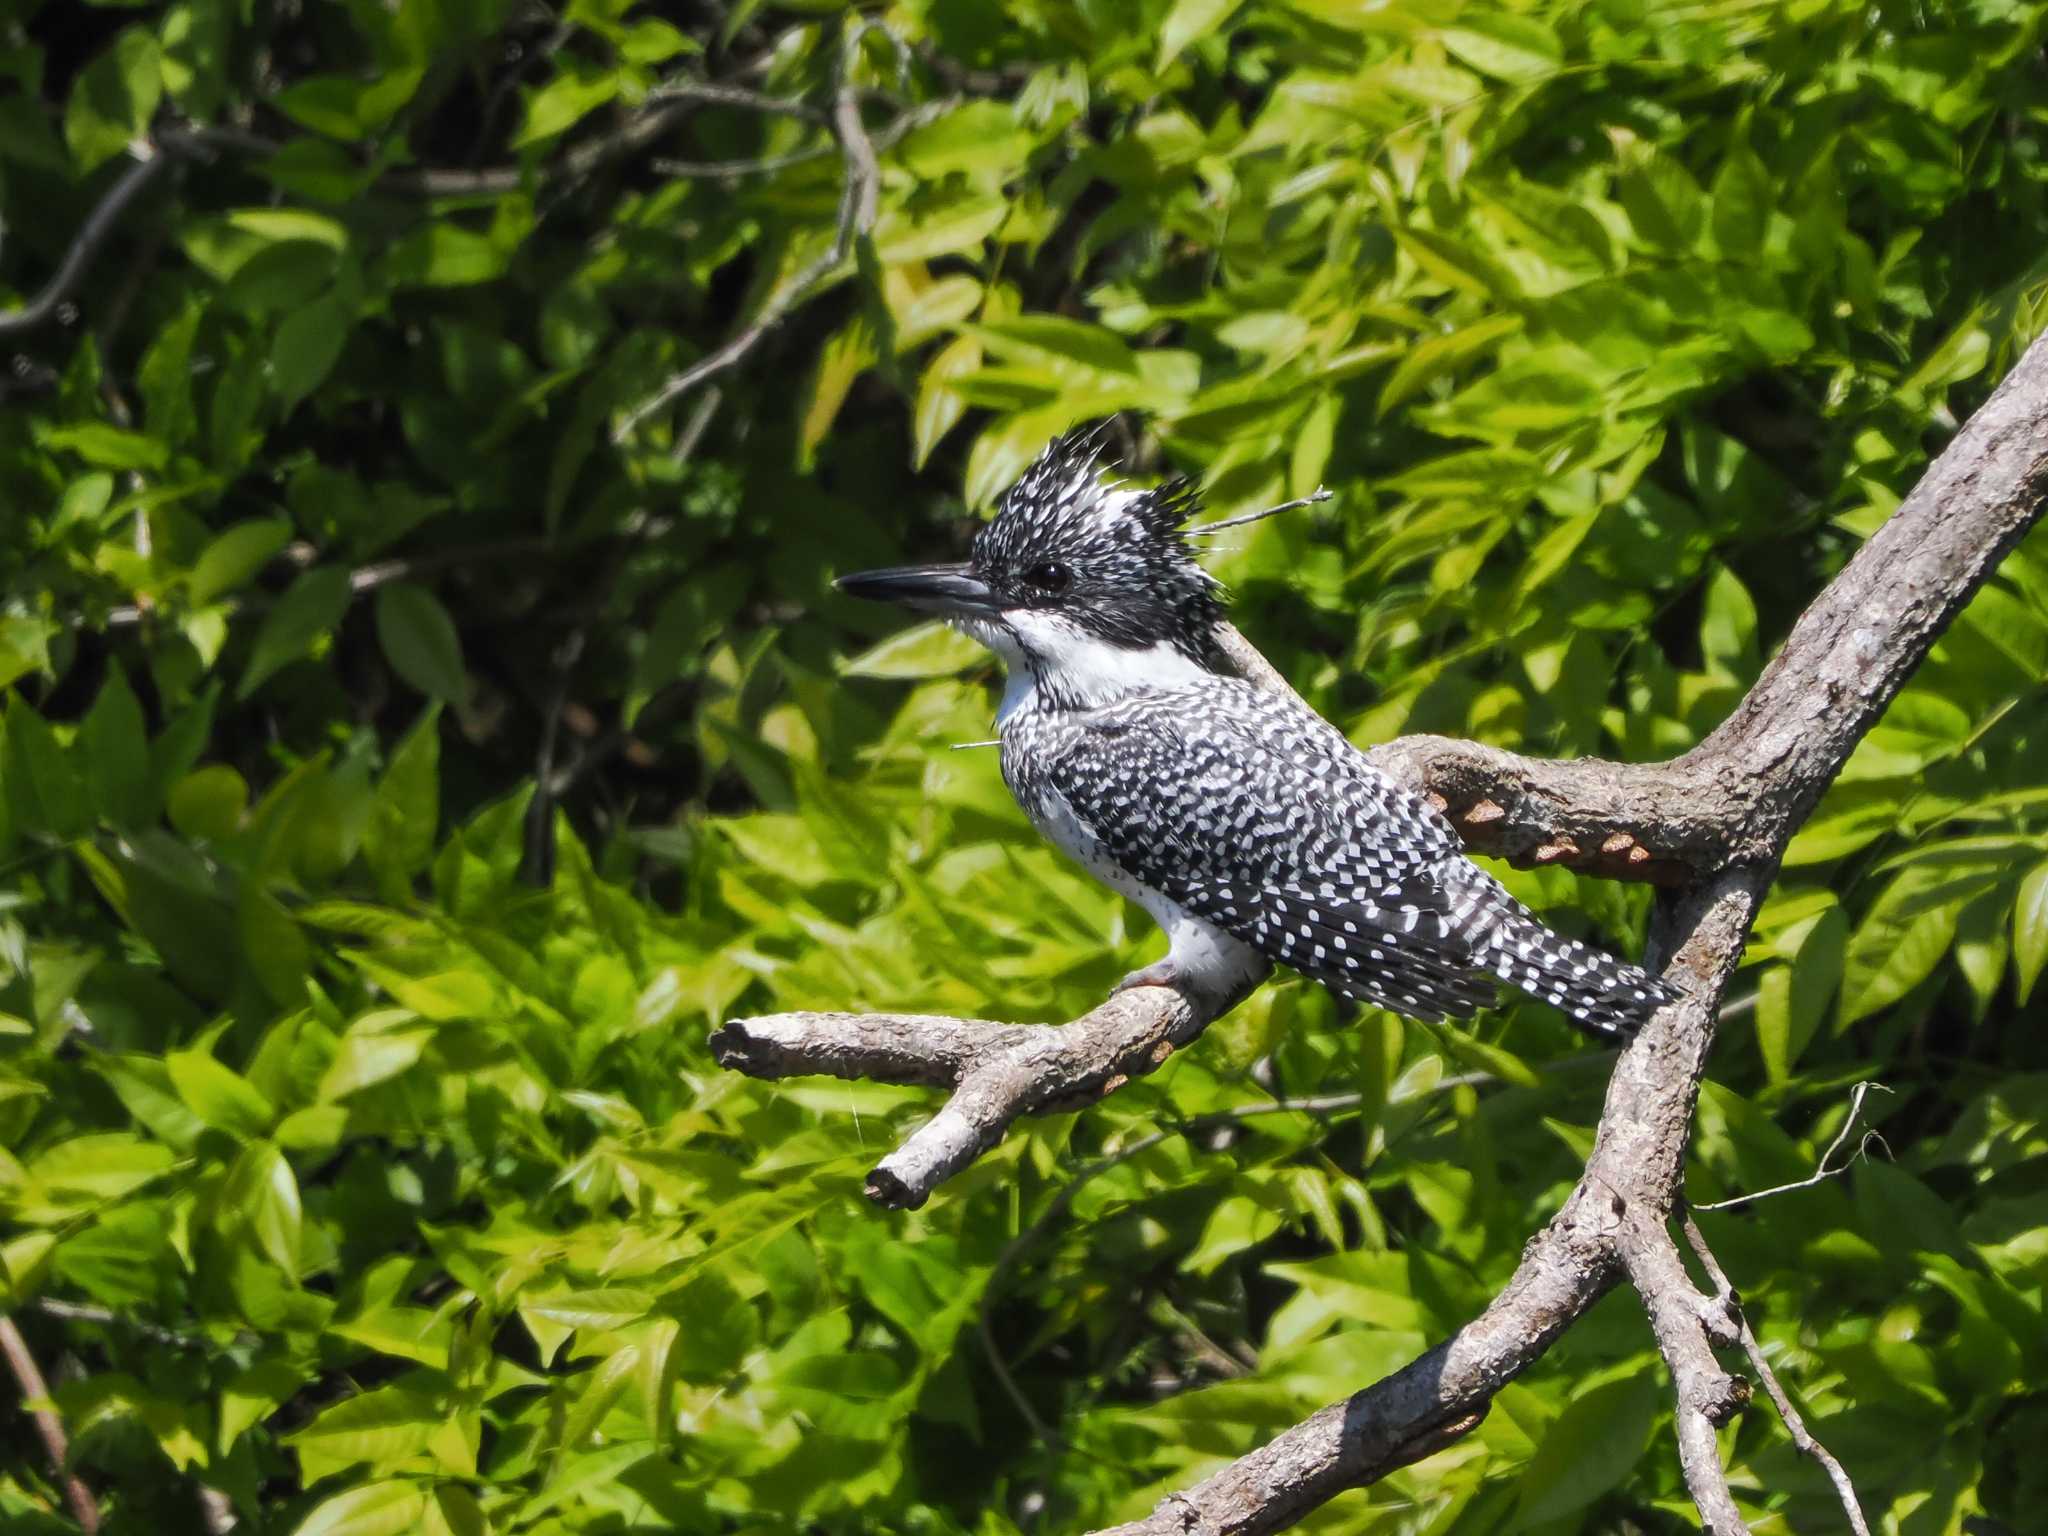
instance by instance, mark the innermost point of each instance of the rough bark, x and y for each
(1713, 824)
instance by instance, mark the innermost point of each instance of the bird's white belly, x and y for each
(1210, 958)
(1054, 817)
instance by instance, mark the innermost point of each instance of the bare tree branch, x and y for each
(150, 163)
(1719, 818)
(35, 1395)
(1706, 1396)
(1729, 1306)
(996, 1071)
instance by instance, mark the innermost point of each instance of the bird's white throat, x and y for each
(1051, 661)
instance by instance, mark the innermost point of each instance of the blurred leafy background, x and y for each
(413, 746)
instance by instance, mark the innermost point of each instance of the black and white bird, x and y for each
(1247, 826)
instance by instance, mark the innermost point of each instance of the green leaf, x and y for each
(444, 255)
(382, 1428)
(25, 643)
(165, 378)
(377, 1047)
(1728, 626)
(604, 1387)
(1504, 45)
(944, 227)
(1589, 1448)
(218, 1095)
(405, 816)
(1792, 999)
(1236, 1223)
(101, 1167)
(115, 744)
(235, 556)
(264, 1193)
(308, 344)
(144, 1086)
(1433, 357)
(420, 641)
(46, 794)
(278, 954)
(1071, 350)
(178, 746)
(578, 90)
(689, 619)
(2030, 929)
(605, 1310)
(209, 804)
(1188, 20)
(1742, 199)
(312, 606)
(1908, 930)
(113, 99)
(985, 140)
(932, 649)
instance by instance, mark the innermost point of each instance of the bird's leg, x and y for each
(1163, 972)
(1201, 963)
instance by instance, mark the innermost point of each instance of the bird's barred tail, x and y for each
(1608, 998)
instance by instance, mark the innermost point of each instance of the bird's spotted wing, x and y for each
(1259, 818)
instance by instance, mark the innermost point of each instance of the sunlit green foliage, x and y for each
(363, 1157)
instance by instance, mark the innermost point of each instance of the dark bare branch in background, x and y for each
(1715, 821)
(99, 225)
(35, 1396)
(859, 194)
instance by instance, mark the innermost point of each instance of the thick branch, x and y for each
(1707, 1396)
(1627, 821)
(1416, 1411)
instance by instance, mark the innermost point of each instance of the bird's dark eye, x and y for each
(1049, 576)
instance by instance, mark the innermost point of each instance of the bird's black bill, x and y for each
(943, 589)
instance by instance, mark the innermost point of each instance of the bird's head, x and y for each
(1075, 575)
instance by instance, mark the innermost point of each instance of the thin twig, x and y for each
(1318, 495)
(667, 104)
(718, 93)
(150, 163)
(883, 140)
(35, 1396)
(1823, 1172)
(698, 424)
(1731, 1307)
(857, 202)
(83, 1312)
(733, 170)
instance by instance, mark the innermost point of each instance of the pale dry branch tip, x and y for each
(1822, 1172)
(1319, 494)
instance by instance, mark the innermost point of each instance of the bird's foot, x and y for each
(1160, 973)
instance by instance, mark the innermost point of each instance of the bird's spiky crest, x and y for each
(1134, 577)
